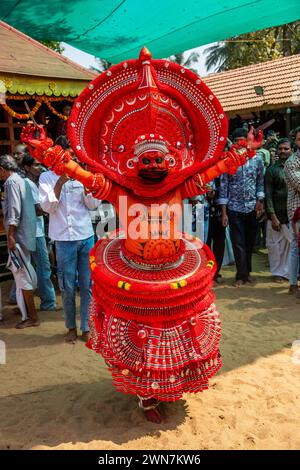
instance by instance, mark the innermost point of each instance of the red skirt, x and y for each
(157, 329)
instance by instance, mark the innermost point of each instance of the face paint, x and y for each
(152, 166)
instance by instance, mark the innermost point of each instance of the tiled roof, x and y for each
(23, 55)
(279, 78)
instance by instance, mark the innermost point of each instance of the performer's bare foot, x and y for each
(154, 416)
(150, 408)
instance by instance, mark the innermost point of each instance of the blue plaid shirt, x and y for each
(241, 191)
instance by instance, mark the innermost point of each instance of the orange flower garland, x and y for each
(38, 98)
(22, 116)
(38, 104)
(53, 110)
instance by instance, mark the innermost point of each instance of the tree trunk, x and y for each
(286, 40)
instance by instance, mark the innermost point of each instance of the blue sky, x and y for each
(88, 60)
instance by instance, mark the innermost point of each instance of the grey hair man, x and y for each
(20, 224)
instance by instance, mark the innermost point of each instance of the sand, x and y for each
(59, 396)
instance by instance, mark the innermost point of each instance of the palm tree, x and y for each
(103, 65)
(191, 59)
(252, 48)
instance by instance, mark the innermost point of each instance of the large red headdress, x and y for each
(154, 101)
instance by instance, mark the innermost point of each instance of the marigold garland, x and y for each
(37, 105)
(53, 110)
(22, 116)
(38, 98)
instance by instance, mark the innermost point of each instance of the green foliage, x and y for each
(102, 65)
(252, 48)
(55, 45)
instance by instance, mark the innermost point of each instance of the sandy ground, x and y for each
(59, 396)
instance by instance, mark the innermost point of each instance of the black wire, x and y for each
(102, 21)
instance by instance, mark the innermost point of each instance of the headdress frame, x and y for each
(138, 97)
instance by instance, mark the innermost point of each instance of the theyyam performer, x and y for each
(149, 133)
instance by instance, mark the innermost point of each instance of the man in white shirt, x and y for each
(71, 227)
(40, 256)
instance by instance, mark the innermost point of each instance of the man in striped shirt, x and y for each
(292, 172)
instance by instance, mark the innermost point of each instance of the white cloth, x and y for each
(19, 263)
(278, 244)
(228, 257)
(69, 216)
(40, 228)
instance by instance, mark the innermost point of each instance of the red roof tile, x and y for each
(279, 78)
(25, 56)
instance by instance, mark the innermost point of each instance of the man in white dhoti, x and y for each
(19, 263)
(278, 236)
(20, 224)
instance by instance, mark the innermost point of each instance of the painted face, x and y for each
(152, 166)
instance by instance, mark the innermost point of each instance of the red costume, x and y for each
(152, 132)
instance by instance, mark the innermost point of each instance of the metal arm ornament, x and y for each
(229, 163)
(60, 161)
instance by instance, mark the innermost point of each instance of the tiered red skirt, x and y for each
(158, 329)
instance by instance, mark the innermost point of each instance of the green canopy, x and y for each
(117, 29)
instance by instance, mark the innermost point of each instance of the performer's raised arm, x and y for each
(61, 162)
(229, 163)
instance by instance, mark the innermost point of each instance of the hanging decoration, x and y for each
(40, 100)
(53, 110)
(24, 115)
